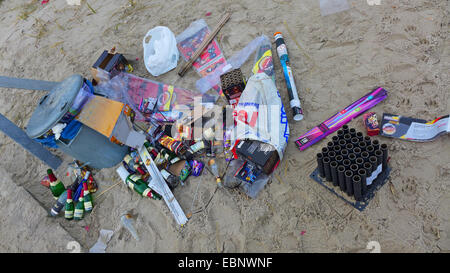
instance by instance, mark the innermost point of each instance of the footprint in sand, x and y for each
(409, 186)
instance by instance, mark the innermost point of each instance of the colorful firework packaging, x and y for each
(186, 171)
(197, 167)
(339, 119)
(371, 123)
(212, 57)
(414, 129)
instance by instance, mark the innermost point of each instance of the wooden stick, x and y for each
(203, 45)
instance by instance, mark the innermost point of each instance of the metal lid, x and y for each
(53, 106)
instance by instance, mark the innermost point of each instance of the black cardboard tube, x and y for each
(384, 149)
(320, 164)
(376, 144)
(344, 153)
(325, 151)
(362, 145)
(360, 136)
(349, 147)
(349, 182)
(357, 187)
(365, 156)
(379, 155)
(352, 157)
(363, 174)
(341, 177)
(367, 140)
(354, 141)
(334, 175)
(347, 138)
(337, 149)
(373, 161)
(354, 168)
(330, 145)
(335, 140)
(357, 151)
(368, 168)
(352, 132)
(340, 134)
(360, 162)
(331, 155)
(339, 159)
(347, 164)
(326, 167)
(342, 143)
(370, 149)
(345, 128)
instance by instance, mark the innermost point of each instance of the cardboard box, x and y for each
(112, 119)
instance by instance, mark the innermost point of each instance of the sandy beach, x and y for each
(399, 45)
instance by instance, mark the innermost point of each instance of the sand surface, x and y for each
(400, 45)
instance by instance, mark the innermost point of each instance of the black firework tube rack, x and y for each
(352, 166)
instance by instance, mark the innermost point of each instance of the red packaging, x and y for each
(371, 123)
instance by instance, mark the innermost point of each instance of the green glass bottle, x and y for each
(56, 186)
(135, 183)
(87, 197)
(79, 208)
(70, 207)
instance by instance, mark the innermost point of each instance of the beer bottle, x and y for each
(69, 209)
(56, 186)
(79, 208)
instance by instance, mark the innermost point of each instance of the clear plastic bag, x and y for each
(150, 99)
(211, 59)
(328, 7)
(213, 79)
(160, 50)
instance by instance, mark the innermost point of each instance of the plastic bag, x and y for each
(213, 79)
(328, 7)
(260, 114)
(160, 51)
(150, 99)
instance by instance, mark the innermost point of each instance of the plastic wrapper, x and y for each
(103, 239)
(213, 79)
(150, 99)
(210, 60)
(328, 7)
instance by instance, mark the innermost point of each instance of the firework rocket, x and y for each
(289, 78)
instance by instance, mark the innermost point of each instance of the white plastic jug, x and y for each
(160, 50)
